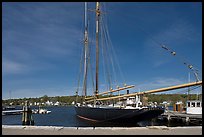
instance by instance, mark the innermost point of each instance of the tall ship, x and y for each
(112, 105)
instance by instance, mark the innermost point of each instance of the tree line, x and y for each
(68, 100)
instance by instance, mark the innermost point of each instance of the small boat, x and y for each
(41, 110)
(11, 110)
(8, 107)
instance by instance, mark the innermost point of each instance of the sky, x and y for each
(42, 43)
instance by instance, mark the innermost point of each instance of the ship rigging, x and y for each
(107, 108)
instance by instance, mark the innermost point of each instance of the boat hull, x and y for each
(117, 114)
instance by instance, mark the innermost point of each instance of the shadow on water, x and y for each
(66, 116)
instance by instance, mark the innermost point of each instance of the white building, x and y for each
(57, 103)
(194, 107)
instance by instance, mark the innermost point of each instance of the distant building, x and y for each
(57, 103)
(73, 102)
(49, 103)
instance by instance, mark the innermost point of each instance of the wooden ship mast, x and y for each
(95, 97)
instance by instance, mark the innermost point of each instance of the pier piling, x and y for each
(27, 118)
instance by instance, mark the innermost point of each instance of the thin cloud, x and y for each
(37, 92)
(43, 41)
(41, 35)
(11, 67)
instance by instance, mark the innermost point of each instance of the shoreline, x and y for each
(60, 130)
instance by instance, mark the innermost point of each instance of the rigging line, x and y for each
(181, 58)
(81, 59)
(109, 52)
(107, 42)
(111, 74)
(92, 78)
(92, 43)
(123, 14)
(106, 46)
(194, 88)
(91, 72)
(180, 17)
(85, 70)
(86, 51)
(80, 71)
(102, 45)
(89, 60)
(111, 55)
(153, 39)
(114, 60)
(187, 90)
(139, 28)
(89, 49)
(105, 56)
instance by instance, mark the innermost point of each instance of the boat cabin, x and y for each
(194, 107)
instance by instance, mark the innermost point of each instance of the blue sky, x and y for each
(42, 41)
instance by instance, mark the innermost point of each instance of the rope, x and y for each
(80, 64)
(159, 44)
(112, 55)
(89, 61)
(188, 90)
(105, 60)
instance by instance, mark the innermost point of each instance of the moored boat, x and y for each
(101, 108)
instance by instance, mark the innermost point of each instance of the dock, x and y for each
(12, 112)
(53, 130)
(181, 117)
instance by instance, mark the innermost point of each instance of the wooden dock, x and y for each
(12, 112)
(181, 117)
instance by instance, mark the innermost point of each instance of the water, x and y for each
(65, 116)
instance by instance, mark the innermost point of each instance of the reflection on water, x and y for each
(65, 116)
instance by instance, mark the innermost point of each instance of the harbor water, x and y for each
(66, 116)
